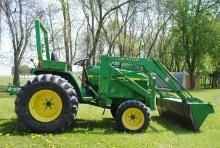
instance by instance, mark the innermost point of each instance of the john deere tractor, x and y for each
(126, 86)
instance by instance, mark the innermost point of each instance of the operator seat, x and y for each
(85, 63)
(54, 56)
(85, 79)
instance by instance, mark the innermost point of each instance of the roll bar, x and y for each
(39, 27)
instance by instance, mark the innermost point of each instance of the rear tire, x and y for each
(48, 103)
(133, 116)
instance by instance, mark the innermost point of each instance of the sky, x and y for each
(5, 70)
(6, 51)
(5, 66)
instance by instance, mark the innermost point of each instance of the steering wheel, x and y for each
(81, 62)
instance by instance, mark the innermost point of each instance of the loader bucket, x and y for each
(189, 114)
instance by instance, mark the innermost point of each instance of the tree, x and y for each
(97, 13)
(193, 21)
(54, 31)
(20, 16)
(114, 29)
(67, 32)
(23, 70)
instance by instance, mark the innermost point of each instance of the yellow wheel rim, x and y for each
(133, 118)
(45, 105)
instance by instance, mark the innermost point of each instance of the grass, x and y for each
(96, 130)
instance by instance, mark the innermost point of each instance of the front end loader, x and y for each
(126, 86)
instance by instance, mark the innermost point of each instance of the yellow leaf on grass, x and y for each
(49, 141)
(33, 136)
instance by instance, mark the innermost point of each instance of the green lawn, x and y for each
(96, 130)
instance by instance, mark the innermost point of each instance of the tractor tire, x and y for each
(133, 116)
(46, 104)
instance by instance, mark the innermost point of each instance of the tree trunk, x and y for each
(20, 28)
(95, 43)
(16, 79)
(65, 29)
(192, 78)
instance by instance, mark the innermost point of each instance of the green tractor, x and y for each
(126, 86)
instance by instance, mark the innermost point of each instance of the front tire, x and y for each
(132, 116)
(48, 103)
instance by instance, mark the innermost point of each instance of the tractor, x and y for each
(125, 85)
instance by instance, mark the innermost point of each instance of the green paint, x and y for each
(38, 28)
(55, 65)
(199, 112)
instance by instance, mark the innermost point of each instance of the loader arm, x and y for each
(169, 79)
(149, 65)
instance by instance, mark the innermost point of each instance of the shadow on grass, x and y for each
(3, 89)
(104, 126)
(15, 128)
(170, 125)
(12, 127)
(6, 96)
(3, 92)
